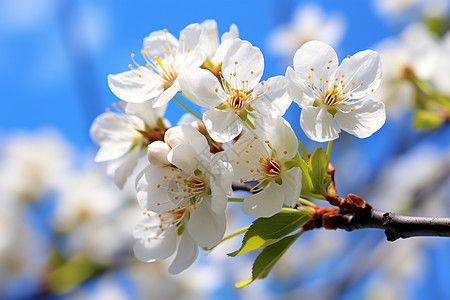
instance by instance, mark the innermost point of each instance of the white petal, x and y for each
(152, 189)
(280, 135)
(200, 85)
(265, 203)
(185, 158)
(190, 53)
(128, 86)
(149, 249)
(122, 168)
(273, 100)
(210, 39)
(292, 185)
(168, 94)
(115, 134)
(222, 125)
(155, 43)
(318, 124)
(298, 89)
(186, 135)
(249, 67)
(210, 235)
(366, 118)
(317, 59)
(232, 34)
(186, 255)
(362, 73)
(220, 182)
(146, 112)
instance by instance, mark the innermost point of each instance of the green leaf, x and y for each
(424, 119)
(266, 231)
(318, 167)
(307, 184)
(291, 163)
(267, 259)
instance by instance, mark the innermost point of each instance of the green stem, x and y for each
(231, 199)
(187, 97)
(330, 144)
(187, 109)
(313, 196)
(240, 231)
(306, 202)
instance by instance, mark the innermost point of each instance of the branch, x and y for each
(395, 226)
(354, 213)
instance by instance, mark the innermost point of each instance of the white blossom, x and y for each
(328, 93)
(165, 59)
(180, 199)
(239, 94)
(124, 135)
(259, 156)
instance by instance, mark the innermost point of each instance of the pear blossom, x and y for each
(260, 155)
(165, 59)
(124, 135)
(238, 95)
(309, 22)
(328, 93)
(180, 199)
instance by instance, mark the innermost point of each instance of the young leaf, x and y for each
(268, 258)
(318, 167)
(266, 231)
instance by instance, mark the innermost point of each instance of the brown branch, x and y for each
(395, 226)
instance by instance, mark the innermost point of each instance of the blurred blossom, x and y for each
(308, 23)
(30, 164)
(416, 51)
(401, 183)
(106, 241)
(83, 196)
(22, 251)
(398, 9)
(394, 7)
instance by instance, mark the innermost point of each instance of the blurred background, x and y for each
(66, 229)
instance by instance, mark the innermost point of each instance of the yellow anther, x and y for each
(309, 76)
(351, 109)
(164, 30)
(144, 52)
(188, 49)
(132, 55)
(148, 47)
(130, 66)
(349, 56)
(312, 69)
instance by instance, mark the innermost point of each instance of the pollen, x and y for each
(158, 186)
(262, 82)
(132, 55)
(371, 90)
(351, 109)
(268, 87)
(188, 49)
(216, 89)
(148, 47)
(361, 84)
(130, 66)
(309, 76)
(330, 61)
(342, 75)
(353, 83)
(251, 72)
(266, 141)
(312, 69)
(140, 76)
(235, 62)
(285, 152)
(158, 204)
(144, 52)
(164, 30)
(349, 56)
(328, 68)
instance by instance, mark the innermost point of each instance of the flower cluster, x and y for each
(241, 137)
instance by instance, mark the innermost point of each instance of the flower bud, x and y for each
(157, 154)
